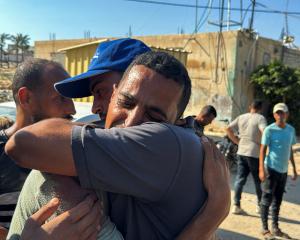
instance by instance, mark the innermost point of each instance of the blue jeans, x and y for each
(245, 166)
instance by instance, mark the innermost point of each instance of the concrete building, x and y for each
(10, 55)
(220, 66)
(44, 49)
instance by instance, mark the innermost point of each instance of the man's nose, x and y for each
(96, 108)
(134, 117)
(70, 107)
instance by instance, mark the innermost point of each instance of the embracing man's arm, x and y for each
(45, 146)
(216, 180)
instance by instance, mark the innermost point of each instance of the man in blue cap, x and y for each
(106, 69)
(92, 86)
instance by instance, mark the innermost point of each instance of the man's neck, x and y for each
(252, 110)
(280, 124)
(199, 119)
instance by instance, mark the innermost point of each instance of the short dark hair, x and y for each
(209, 109)
(170, 68)
(257, 104)
(29, 74)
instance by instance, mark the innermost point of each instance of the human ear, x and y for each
(23, 96)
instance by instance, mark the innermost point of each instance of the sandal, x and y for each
(267, 235)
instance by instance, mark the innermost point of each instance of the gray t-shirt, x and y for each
(249, 126)
(39, 188)
(153, 173)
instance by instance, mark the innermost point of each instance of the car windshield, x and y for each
(83, 111)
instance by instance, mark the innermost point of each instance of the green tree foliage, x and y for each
(24, 44)
(20, 42)
(277, 82)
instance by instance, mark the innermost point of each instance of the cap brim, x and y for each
(78, 86)
(279, 109)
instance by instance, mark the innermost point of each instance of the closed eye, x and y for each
(123, 103)
(126, 100)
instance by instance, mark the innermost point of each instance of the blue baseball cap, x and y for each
(110, 56)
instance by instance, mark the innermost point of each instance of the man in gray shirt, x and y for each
(250, 127)
(151, 114)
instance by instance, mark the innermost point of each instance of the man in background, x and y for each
(207, 114)
(278, 139)
(249, 127)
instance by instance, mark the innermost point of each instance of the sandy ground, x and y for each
(248, 227)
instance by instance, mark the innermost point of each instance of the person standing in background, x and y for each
(250, 127)
(278, 138)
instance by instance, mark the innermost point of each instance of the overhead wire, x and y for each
(204, 18)
(197, 28)
(212, 7)
(207, 16)
(221, 48)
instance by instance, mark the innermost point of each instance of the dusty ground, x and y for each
(248, 227)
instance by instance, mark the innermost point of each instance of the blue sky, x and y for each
(107, 18)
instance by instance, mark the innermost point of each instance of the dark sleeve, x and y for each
(140, 161)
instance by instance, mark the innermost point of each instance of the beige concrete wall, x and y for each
(228, 88)
(245, 64)
(252, 52)
(291, 57)
(269, 50)
(43, 49)
(209, 86)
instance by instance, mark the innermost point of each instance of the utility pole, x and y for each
(196, 17)
(219, 41)
(252, 15)
(241, 12)
(130, 32)
(228, 14)
(52, 37)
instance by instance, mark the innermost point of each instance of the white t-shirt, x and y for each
(250, 127)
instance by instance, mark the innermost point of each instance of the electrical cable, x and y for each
(214, 8)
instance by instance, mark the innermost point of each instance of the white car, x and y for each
(83, 111)
(8, 109)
